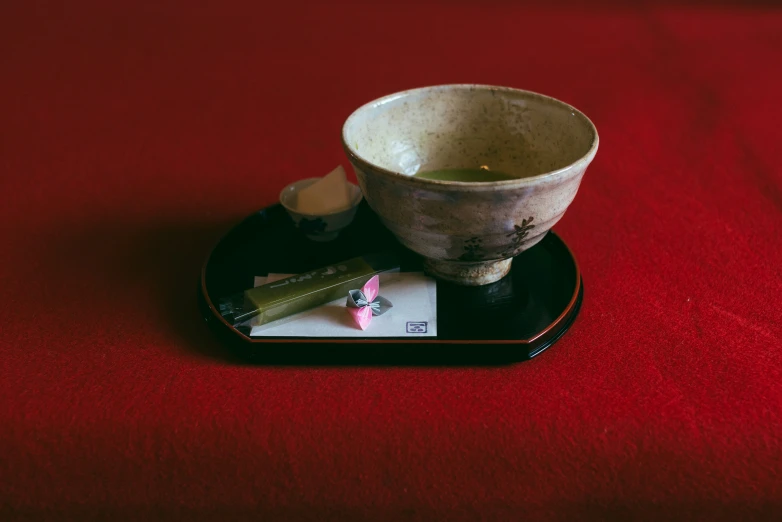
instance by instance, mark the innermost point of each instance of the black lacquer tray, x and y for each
(514, 319)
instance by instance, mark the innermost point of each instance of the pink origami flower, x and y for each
(363, 304)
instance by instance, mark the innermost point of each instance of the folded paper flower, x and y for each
(363, 304)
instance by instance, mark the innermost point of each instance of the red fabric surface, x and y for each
(132, 137)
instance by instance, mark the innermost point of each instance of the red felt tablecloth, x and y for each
(132, 136)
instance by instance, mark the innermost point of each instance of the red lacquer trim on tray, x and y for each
(417, 340)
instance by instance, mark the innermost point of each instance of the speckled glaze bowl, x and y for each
(469, 232)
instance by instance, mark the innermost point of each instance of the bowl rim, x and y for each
(356, 158)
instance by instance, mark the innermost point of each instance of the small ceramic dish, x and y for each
(325, 227)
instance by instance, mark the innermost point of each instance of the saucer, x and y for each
(514, 319)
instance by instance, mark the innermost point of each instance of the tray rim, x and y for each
(572, 308)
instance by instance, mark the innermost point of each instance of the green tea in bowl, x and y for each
(464, 175)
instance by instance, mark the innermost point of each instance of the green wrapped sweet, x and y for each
(272, 301)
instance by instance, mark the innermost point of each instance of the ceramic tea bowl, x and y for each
(468, 232)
